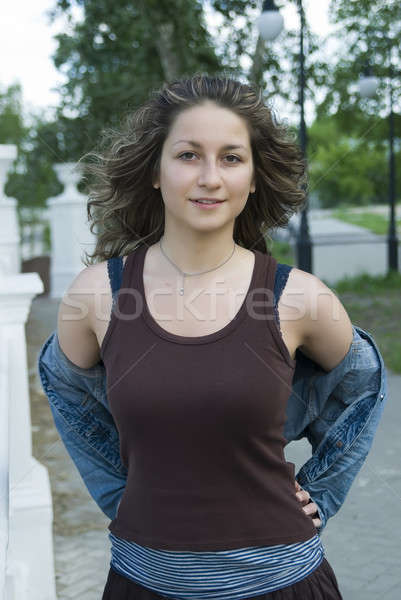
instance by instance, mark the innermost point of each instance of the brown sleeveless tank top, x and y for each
(200, 422)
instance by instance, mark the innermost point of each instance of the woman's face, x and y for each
(207, 154)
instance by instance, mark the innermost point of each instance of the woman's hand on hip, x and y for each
(309, 507)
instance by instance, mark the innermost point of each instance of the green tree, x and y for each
(12, 127)
(370, 30)
(31, 179)
(345, 169)
(344, 172)
(121, 50)
(118, 52)
(34, 180)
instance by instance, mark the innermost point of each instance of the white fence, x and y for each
(34, 224)
(4, 464)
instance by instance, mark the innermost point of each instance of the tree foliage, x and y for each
(122, 49)
(31, 180)
(114, 52)
(12, 128)
(351, 164)
(345, 170)
(371, 33)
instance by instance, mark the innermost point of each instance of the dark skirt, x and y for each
(321, 584)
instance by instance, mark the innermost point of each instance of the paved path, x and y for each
(361, 541)
(341, 249)
(322, 222)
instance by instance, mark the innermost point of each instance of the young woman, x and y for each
(199, 360)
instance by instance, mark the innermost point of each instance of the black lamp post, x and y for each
(270, 24)
(367, 88)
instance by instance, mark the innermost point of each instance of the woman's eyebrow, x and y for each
(197, 145)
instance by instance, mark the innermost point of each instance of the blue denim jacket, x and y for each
(337, 411)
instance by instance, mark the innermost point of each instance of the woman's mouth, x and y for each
(207, 203)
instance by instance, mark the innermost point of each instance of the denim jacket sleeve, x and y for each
(78, 402)
(338, 412)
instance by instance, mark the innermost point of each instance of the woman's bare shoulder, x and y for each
(297, 290)
(88, 295)
(326, 326)
(308, 283)
(93, 277)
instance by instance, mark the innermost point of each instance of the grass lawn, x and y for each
(372, 221)
(372, 303)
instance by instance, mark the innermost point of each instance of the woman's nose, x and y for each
(209, 174)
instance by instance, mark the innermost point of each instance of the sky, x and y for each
(27, 42)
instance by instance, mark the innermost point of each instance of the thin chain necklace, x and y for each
(181, 289)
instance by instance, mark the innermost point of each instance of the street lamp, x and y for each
(367, 83)
(367, 88)
(270, 23)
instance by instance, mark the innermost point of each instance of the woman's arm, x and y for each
(74, 381)
(75, 329)
(326, 328)
(327, 335)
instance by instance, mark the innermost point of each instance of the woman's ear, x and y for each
(155, 179)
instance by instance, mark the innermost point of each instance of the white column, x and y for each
(4, 464)
(30, 563)
(70, 234)
(9, 232)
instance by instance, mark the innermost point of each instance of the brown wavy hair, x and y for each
(125, 210)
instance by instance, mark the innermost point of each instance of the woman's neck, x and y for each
(197, 256)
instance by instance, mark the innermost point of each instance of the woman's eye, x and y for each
(228, 156)
(233, 156)
(181, 155)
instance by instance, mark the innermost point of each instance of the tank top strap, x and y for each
(266, 281)
(280, 280)
(115, 269)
